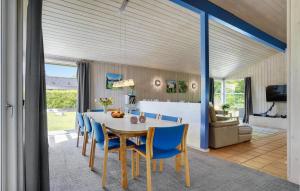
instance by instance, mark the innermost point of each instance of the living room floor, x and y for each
(266, 152)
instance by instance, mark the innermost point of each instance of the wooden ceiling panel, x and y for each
(149, 33)
(267, 15)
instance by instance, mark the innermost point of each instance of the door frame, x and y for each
(11, 95)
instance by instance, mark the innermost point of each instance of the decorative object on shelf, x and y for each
(117, 114)
(105, 102)
(182, 87)
(142, 119)
(111, 79)
(225, 108)
(171, 86)
(157, 83)
(194, 86)
(133, 120)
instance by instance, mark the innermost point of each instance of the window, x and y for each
(234, 90)
(218, 93)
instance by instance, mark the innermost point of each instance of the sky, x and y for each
(60, 71)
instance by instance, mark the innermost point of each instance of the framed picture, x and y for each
(111, 78)
(171, 86)
(182, 86)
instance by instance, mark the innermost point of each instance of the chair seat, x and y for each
(115, 144)
(157, 153)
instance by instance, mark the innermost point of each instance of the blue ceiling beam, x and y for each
(228, 19)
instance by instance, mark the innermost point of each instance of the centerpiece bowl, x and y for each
(117, 114)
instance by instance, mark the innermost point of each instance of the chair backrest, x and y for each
(135, 112)
(87, 123)
(166, 138)
(171, 118)
(150, 115)
(98, 131)
(96, 110)
(79, 119)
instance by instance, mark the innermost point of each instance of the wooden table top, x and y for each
(123, 125)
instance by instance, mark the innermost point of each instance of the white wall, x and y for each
(294, 90)
(144, 83)
(272, 71)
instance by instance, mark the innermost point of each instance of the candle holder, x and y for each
(133, 120)
(142, 119)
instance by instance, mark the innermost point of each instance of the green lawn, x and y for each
(61, 122)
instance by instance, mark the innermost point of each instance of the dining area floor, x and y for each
(69, 171)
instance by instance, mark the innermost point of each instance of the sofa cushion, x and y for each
(212, 113)
(244, 138)
(245, 129)
(225, 123)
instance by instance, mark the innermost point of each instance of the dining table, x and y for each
(124, 129)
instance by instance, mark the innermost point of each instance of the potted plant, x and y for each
(225, 108)
(105, 102)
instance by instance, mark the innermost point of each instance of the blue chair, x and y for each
(150, 115)
(87, 132)
(80, 123)
(162, 143)
(102, 140)
(135, 112)
(171, 118)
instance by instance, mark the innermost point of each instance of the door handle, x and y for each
(11, 107)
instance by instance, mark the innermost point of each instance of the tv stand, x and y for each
(261, 120)
(265, 114)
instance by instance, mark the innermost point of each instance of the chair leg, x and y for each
(161, 165)
(91, 153)
(104, 166)
(148, 164)
(84, 143)
(154, 165)
(187, 169)
(132, 163)
(177, 163)
(78, 137)
(137, 164)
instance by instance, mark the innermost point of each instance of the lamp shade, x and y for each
(123, 83)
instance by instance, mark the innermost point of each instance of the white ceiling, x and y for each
(149, 33)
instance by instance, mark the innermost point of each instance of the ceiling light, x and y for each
(124, 5)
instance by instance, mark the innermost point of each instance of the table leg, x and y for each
(124, 180)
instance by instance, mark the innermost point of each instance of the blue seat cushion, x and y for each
(143, 139)
(159, 154)
(115, 144)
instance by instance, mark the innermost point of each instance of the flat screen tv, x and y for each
(276, 93)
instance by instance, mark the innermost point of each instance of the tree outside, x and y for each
(234, 90)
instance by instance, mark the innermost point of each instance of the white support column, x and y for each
(293, 90)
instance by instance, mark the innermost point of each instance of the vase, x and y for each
(105, 109)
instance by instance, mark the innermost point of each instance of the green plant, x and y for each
(105, 101)
(61, 99)
(225, 107)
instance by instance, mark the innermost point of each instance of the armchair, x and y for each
(226, 131)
